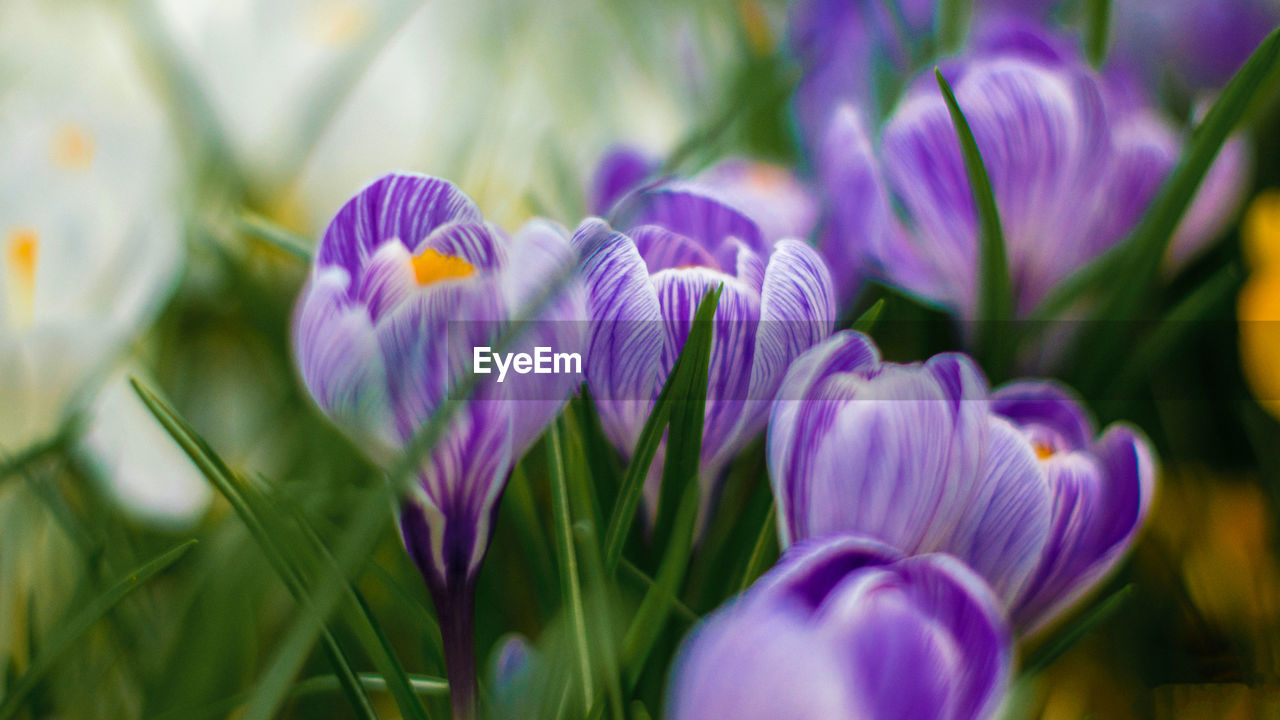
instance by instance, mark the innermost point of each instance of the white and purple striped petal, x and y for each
(845, 451)
(404, 207)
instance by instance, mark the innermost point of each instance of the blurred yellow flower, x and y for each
(1258, 306)
(1261, 230)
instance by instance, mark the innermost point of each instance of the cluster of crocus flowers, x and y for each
(925, 520)
(1074, 159)
(408, 280)
(1014, 481)
(643, 287)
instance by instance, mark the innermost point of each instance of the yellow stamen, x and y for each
(1044, 452)
(22, 249)
(431, 266)
(338, 23)
(72, 148)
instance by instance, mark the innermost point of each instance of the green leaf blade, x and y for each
(84, 619)
(632, 488)
(995, 290)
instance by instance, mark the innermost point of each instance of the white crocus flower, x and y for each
(90, 243)
(314, 97)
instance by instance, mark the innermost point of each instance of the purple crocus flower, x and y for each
(779, 203)
(408, 281)
(845, 627)
(924, 458)
(1072, 164)
(643, 286)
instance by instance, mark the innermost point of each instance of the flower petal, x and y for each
(663, 249)
(622, 170)
(338, 355)
(801, 417)
(1099, 505)
(860, 226)
(402, 206)
(625, 335)
(480, 244)
(690, 210)
(1006, 524)
(1036, 402)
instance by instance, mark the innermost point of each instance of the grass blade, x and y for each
(1097, 30)
(291, 243)
(867, 320)
(570, 584)
(624, 511)
(953, 24)
(82, 621)
(688, 412)
(1062, 641)
(651, 617)
(360, 617)
(1161, 342)
(684, 611)
(995, 292)
(217, 472)
(1147, 244)
(764, 549)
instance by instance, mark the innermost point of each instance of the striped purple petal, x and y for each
(779, 203)
(625, 336)
(692, 211)
(847, 453)
(397, 206)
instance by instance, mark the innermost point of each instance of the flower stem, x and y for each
(455, 604)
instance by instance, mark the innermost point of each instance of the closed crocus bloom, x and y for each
(923, 458)
(90, 244)
(1072, 165)
(845, 627)
(643, 287)
(408, 281)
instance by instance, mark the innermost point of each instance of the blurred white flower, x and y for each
(340, 91)
(89, 237)
(142, 468)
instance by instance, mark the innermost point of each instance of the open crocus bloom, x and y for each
(408, 281)
(1073, 164)
(643, 287)
(923, 458)
(845, 627)
(89, 246)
